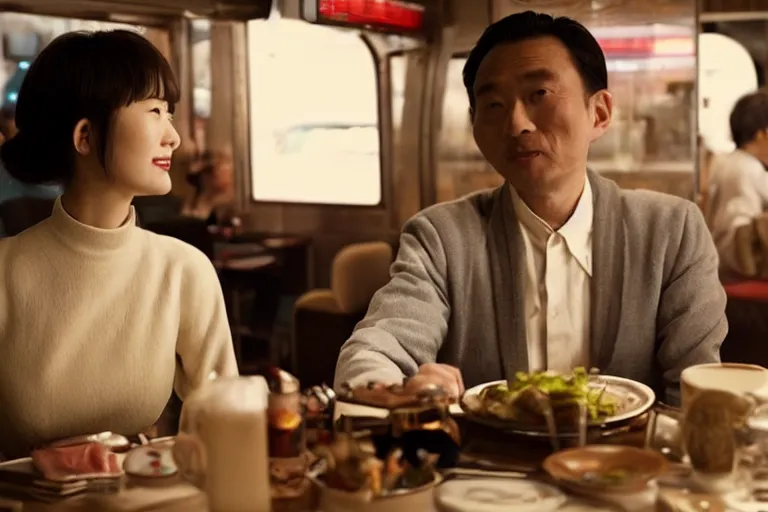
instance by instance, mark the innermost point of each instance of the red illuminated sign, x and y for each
(639, 46)
(648, 47)
(377, 14)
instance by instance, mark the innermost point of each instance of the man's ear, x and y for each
(82, 138)
(602, 112)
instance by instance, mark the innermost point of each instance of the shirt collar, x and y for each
(577, 231)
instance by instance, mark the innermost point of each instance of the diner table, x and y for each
(174, 495)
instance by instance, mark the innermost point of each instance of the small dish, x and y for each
(154, 460)
(605, 468)
(419, 498)
(498, 495)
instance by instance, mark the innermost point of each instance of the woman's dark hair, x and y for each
(749, 117)
(582, 45)
(81, 75)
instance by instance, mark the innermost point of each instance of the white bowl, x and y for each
(417, 499)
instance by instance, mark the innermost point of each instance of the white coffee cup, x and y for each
(736, 378)
(222, 444)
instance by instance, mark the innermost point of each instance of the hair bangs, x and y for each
(142, 72)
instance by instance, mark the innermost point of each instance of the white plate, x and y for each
(636, 397)
(498, 495)
(737, 502)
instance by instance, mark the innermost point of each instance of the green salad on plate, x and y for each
(525, 398)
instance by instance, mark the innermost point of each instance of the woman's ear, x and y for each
(82, 138)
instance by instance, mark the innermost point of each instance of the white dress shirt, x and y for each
(738, 192)
(557, 286)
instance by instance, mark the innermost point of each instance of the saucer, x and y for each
(498, 495)
(150, 461)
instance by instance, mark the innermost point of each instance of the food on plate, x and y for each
(529, 395)
(74, 462)
(114, 442)
(352, 466)
(608, 478)
(616, 478)
(394, 396)
(348, 466)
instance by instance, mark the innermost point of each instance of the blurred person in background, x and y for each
(738, 190)
(211, 177)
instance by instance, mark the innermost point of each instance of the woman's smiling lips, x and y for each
(163, 163)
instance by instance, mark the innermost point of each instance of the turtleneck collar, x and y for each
(88, 239)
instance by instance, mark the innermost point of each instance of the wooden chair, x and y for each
(325, 318)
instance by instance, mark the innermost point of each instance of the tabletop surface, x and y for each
(175, 495)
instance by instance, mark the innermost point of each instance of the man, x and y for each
(558, 267)
(738, 186)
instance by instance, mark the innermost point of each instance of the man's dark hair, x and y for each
(585, 51)
(749, 117)
(81, 75)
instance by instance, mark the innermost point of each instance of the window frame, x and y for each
(382, 103)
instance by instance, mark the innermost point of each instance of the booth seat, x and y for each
(325, 318)
(747, 312)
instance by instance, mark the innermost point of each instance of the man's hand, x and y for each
(431, 374)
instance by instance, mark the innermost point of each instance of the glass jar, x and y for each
(286, 421)
(222, 444)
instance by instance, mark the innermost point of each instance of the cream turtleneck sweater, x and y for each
(98, 325)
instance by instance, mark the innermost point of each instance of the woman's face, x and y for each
(142, 141)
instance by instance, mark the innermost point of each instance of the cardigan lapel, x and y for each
(607, 269)
(506, 257)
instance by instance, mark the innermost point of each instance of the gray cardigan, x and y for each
(456, 293)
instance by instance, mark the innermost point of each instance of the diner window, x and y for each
(201, 73)
(397, 76)
(313, 115)
(651, 75)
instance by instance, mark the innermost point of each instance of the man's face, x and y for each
(532, 119)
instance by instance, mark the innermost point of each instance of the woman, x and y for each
(99, 318)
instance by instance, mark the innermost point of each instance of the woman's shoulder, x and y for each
(176, 247)
(182, 252)
(31, 237)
